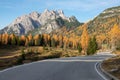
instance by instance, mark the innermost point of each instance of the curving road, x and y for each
(74, 68)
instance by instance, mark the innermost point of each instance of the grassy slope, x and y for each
(10, 55)
(112, 66)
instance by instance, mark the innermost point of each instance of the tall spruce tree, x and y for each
(92, 46)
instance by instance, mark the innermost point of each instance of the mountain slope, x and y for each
(57, 25)
(36, 23)
(105, 21)
(102, 23)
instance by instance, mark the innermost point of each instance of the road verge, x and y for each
(107, 76)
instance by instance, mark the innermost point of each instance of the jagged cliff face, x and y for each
(38, 22)
(23, 24)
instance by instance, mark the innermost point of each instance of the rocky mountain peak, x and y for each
(46, 11)
(61, 12)
(46, 21)
(34, 14)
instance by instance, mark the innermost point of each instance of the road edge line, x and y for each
(96, 64)
(108, 74)
(17, 66)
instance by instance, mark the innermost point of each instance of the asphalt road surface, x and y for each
(73, 68)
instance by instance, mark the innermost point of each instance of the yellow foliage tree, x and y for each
(22, 40)
(65, 41)
(114, 36)
(46, 38)
(6, 38)
(30, 37)
(0, 38)
(27, 42)
(60, 38)
(100, 39)
(84, 39)
(37, 40)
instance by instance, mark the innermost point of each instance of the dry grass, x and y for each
(9, 55)
(117, 52)
(9, 52)
(112, 66)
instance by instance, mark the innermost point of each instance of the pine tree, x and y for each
(92, 46)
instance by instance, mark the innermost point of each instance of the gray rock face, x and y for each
(46, 21)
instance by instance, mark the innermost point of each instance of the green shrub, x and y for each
(79, 48)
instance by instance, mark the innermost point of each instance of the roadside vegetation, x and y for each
(11, 56)
(112, 66)
(22, 49)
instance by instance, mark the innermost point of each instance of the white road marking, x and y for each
(99, 72)
(49, 61)
(73, 60)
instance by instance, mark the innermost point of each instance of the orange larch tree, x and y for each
(0, 39)
(65, 39)
(37, 40)
(60, 39)
(30, 39)
(84, 39)
(6, 38)
(26, 42)
(100, 39)
(114, 36)
(12, 39)
(22, 40)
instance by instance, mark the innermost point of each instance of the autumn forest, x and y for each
(86, 43)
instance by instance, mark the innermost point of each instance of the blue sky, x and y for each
(84, 10)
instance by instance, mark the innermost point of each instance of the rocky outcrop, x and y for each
(44, 22)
